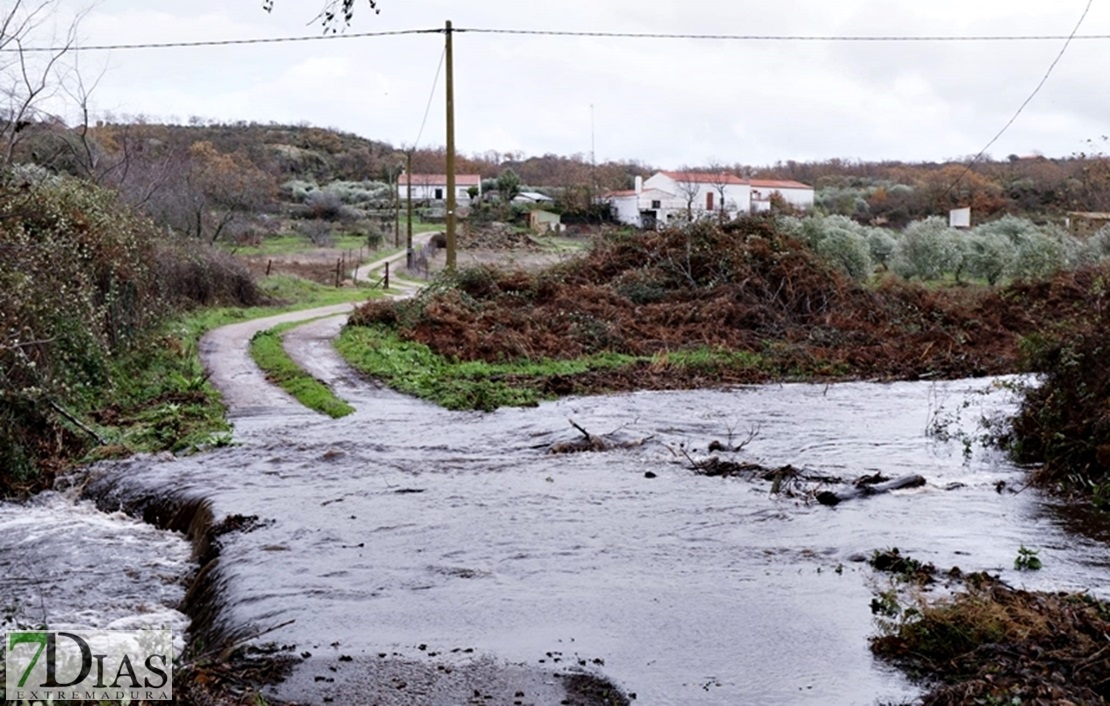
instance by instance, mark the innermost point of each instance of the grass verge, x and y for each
(267, 350)
(413, 368)
(160, 398)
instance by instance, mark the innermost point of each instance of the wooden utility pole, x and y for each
(408, 174)
(451, 201)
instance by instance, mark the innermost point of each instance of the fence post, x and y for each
(386, 275)
(338, 271)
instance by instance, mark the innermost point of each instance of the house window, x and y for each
(439, 194)
(709, 201)
(657, 204)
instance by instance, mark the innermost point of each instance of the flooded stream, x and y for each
(408, 535)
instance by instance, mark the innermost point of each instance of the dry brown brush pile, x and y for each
(741, 286)
(1064, 423)
(992, 644)
(82, 279)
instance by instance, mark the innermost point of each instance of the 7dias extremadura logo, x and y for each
(76, 665)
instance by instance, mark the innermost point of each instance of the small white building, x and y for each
(433, 187)
(666, 197)
(794, 193)
(533, 197)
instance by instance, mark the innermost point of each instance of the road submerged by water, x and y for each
(411, 555)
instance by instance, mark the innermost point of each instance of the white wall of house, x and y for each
(794, 193)
(664, 194)
(641, 205)
(434, 188)
(707, 199)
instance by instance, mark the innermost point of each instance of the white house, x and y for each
(794, 193)
(705, 194)
(433, 187)
(666, 197)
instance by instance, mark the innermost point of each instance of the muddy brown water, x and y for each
(453, 545)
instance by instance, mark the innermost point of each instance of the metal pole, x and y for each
(450, 68)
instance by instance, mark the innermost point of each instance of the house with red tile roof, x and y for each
(669, 197)
(794, 193)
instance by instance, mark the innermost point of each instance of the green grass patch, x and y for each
(160, 398)
(415, 369)
(293, 243)
(267, 350)
(294, 293)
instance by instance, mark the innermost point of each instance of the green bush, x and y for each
(841, 242)
(927, 250)
(988, 256)
(82, 280)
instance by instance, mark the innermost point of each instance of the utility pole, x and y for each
(408, 176)
(451, 201)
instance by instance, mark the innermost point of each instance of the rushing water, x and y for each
(448, 539)
(67, 564)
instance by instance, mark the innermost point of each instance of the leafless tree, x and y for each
(688, 188)
(720, 177)
(37, 66)
(333, 13)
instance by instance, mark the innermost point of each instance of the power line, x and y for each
(785, 37)
(225, 42)
(569, 33)
(1028, 100)
(431, 97)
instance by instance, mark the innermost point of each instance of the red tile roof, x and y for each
(703, 178)
(776, 184)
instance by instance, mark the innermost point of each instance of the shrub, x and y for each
(928, 250)
(847, 250)
(1098, 247)
(324, 205)
(841, 242)
(1038, 256)
(1064, 423)
(881, 245)
(318, 231)
(83, 279)
(359, 192)
(298, 190)
(988, 256)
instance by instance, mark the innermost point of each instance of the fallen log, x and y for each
(835, 497)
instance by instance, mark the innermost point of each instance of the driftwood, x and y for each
(831, 497)
(593, 442)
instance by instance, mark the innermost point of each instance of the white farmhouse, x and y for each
(794, 193)
(433, 187)
(666, 197)
(705, 194)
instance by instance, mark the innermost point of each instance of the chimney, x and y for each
(639, 184)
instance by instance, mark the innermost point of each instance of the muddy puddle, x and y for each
(418, 554)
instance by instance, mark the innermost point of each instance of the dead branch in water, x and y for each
(592, 442)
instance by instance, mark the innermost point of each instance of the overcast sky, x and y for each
(666, 102)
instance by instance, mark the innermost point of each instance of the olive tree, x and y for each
(989, 255)
(841, 242)
(927, 249)
(1098, 246)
